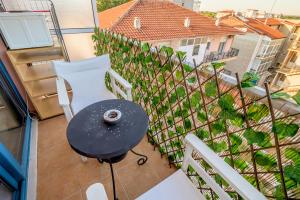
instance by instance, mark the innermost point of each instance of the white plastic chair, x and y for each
(179, 187)
(96, 192)
(87, 80)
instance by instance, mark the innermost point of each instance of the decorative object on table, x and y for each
(112, 116)
(89, 135)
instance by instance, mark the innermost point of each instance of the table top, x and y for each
(90, 136)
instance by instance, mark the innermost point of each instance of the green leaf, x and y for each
(237, 119)
(201, 116)
(180, 91)
(181, 55)
(211, 89)
(170, 120)
(168, 50)
(155, 100)
(171, 134)
(292, 154)
(191, 80)
(280, 95)
(173, 98)
(285, 130)
(218, 65)
(226, 102)
(219, 147)
(293, 172)
(250, 79)
(187, 68)
(218, 127)
(257, 111)
(264, 160)
(202, 134)
(187, 124)
(145, 47)
(296, 97)
(162, 150)
(178, 75)
(255, 137)
(195, 99)
(236, 141)
(179, 129)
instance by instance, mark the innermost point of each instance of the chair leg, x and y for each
(83, 159)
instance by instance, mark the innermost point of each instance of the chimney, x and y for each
(187, 22)
(137, 23)
(217, 22)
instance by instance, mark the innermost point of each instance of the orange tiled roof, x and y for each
(160, 20)
(264, 29)
(270, 21)
(232, 21)
(109, 17)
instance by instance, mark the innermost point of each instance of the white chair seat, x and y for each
(175, 187)
(96, 192)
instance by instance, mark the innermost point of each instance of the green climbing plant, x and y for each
(181, 99)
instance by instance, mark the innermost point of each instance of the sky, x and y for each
(289, 7)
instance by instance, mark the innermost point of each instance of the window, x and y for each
(190, 41)
(183, 43)
(196, 50)
(208, 46)
(198, 41)
(221, 47)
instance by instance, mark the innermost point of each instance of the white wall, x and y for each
(246, 45)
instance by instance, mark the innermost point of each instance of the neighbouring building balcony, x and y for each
(289, 71)
(221, 57)
(295, 46)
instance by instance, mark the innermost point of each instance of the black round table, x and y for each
(89, 135)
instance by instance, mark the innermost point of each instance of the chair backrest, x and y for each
(233, 178)
(86, 77)
(101, 63)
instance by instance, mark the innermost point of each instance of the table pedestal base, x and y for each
(116, 159)
(142, 160)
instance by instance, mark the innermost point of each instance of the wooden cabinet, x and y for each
(37, 75)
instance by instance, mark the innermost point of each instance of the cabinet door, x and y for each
(25, 30)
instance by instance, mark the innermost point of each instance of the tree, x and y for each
(106, 4)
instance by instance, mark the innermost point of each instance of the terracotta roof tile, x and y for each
(270, 21)
(162, 20)
(108, 17)
(264, 29)
(252, 25)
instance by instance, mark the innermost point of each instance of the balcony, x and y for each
(295, 46)
(179, 99)
(221, 57)
(244, 124)
(289, 71)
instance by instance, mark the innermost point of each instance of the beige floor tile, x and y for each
(63, 176)
(137, 179)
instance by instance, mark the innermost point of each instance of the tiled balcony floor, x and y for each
(63, 176)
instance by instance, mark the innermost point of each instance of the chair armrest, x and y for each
(63, 98)
(236, 181)
(120, 79)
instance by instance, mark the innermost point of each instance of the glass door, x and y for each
(6, 193)
(14, 140)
